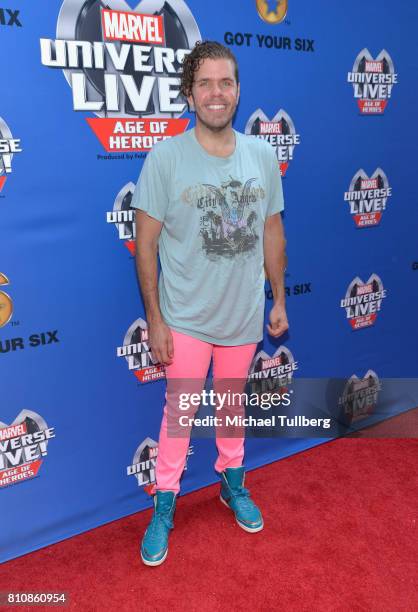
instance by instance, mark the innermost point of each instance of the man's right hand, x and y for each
(161, 342)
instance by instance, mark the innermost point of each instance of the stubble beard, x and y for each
(216, 129)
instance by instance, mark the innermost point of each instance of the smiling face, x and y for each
(214, 94)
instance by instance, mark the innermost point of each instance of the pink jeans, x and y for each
(191, 363)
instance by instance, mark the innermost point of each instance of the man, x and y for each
(209, 201)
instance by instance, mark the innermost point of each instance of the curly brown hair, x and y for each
(201, 51)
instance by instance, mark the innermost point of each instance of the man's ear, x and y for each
(190, 102)
(238, 92)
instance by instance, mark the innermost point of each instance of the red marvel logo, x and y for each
(133, 27)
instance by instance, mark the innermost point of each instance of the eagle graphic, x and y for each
(233, 198)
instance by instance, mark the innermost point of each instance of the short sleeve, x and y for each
(151, 191)
(275, 196)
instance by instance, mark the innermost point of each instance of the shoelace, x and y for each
(160, 522)
(242, 498)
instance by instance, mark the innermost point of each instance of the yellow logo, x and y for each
(272, 11)
(6, 304)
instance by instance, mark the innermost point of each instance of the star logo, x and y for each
(273, 5)
(272, 11)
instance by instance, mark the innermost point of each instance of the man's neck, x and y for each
(220, 144)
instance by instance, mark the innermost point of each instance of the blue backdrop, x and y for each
(77, 426)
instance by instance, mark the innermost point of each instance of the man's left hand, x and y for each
(278, 321)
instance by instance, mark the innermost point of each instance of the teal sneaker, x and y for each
(154, 546)
(233, 495)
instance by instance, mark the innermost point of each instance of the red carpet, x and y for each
(340, 535)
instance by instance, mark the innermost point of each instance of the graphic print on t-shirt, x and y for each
(228, 219)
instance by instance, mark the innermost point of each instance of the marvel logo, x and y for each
(270, 127)
(133, 27)
(369, 183)
(362, 289)
(372, 66)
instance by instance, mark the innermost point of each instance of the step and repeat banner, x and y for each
(88, 88)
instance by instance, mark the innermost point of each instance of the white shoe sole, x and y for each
(154, 563)
(244, 527)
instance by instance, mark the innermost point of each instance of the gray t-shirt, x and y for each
(213, 210)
